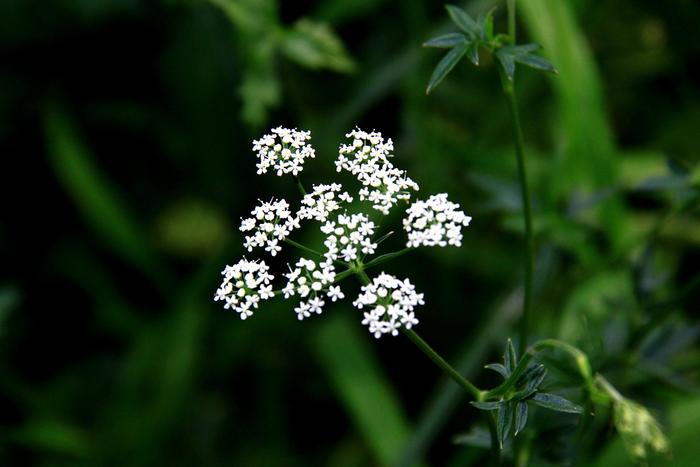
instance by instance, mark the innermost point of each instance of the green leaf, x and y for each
(445, 65)
(462, 19)
(535, 378)
(504, 423)
(347, 357)
(520, 417)
(446, 41)
(536, 62)
(485, 24)
(494, 405)
(315, 45)
(510, 357)
(500, 369)
(521, 49)
(507, 63)
(473, 53)
(554, 402)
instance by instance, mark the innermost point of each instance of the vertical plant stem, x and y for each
(509, 91)
(510, 5)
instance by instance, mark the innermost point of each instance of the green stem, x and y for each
(302, 247)
(430, 352)
(509, 92)
(446, 367)
(386, 257)
(510, 5)
(299, 185)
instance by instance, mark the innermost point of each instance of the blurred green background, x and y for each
(125, 131)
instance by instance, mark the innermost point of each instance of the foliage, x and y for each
(126, 129)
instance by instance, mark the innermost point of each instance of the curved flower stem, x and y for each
(311, 250)
(509, 91)
(446, 367)
(386, 257)
(429, 351)
(299, 185)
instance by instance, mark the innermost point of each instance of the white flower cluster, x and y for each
(348, 237)
(367, 157)
(435, 222)
(244, 285)
(271, 223)
(284, 150)
(322, 201)
(392, 302)
(310, 279)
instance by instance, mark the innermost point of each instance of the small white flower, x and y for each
(322, 201)
(367, 157)
(311, 279)
(435, 222)
(348, 236)
(244, 285)
(391, 302)
(284, 150)
(271, 222)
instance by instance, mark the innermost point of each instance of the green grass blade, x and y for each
(368, 397)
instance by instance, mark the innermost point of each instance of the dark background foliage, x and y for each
(125, 130)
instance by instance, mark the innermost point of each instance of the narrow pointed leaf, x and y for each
(510, 357)
(536, 377)
(504, 423)
(445, 65)
(485, 24)
(507, 62)
(494, 405)
(500, 369)
(536, 62)
(522, 49)
(462, 19)
(554, 402)
(520, 417)
(446, 41)
(473, 53)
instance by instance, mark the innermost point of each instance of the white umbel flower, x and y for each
(271, 222)
(310, 280)
(390, 302)
(284, 150)
(322, 201)
(367, 158)
(349, 237)
(435, 222)
(244, 285)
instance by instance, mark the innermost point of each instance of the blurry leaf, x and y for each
(473, 53)
(509, 357)
(191, 228)
(315, 45)
(485, 24)
(477, 437)
(511, 54)
(446, 41)
(462, 19)
(250, 15)
(504, 423)
(54, 436)
(520, 417)
(445, 65)
(498, 368)
(369, 399)
(554, 402)
(587, 162)
(487, 405)
(95, 197)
